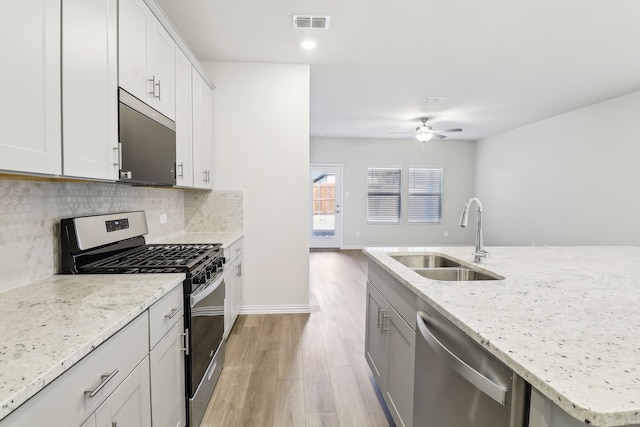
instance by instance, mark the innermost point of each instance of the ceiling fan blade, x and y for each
(400, 133)
(448, 130)
(438, 136)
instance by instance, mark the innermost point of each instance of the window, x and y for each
(425, 195)
(383, 195)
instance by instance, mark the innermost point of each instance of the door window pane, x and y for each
(324, 205)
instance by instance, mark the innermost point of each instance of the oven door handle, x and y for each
(206, 290)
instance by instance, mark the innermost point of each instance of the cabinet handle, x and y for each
(239, 270)
(118, 149)
(379, 317)
(181, 166)
(171, 315)
(384, 317)
(158, 84)
(186, 342)
(105, 379)
(153, 86)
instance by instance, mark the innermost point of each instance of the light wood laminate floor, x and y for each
(303, 370)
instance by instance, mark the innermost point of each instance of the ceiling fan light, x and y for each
(424, 136)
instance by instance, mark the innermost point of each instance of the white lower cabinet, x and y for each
(71, 398)
(134, 379)
(233, 285)
(128, 405)
(390, 343)
(167, 379)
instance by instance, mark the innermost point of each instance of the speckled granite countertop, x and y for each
(51, 324)
(566, 319)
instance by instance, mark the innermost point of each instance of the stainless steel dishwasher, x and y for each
(458, 383)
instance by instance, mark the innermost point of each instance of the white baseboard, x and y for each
(275, 309)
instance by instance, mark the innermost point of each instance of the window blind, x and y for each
(383, 195)
(425, 195)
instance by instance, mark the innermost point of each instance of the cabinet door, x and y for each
(199, 155)
(374, 339)
(184, 121)
(130, 403)
(132, 49)
(160, 68)
(400, 341)
(30, 135)
(238, 289)
(168, 401)
(229, 289)
(208, 134)
(90, 88)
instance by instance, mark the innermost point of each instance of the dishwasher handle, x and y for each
(482, 383)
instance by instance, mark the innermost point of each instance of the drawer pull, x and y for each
(105, 379)
(171, 315)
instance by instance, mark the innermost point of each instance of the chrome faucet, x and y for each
(479, 252)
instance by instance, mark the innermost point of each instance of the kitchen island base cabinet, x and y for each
(390, 342)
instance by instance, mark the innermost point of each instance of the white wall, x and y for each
(456, 157)
(573, 179)
(261, 131)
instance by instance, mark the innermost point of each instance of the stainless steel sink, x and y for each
(454, 274)
(425, 261)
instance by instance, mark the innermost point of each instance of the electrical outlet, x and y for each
(163, 218)
(358, 233)
(446, 233)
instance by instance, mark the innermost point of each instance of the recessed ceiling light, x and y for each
(308, 44)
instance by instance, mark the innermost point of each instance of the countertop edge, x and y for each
(580, 413)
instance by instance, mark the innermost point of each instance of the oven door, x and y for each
(206, 356)
(205, 329)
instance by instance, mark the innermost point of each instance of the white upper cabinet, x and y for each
(90, 89)
(202, 132)
(184, 121)
(30, 135)
(146, 55)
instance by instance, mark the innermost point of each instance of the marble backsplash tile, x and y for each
(215, 211)
(30, 214)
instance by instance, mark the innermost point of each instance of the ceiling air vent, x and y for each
(308, 21)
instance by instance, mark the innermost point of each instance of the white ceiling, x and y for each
(501, 63)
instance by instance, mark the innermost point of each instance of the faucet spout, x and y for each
(479, 252)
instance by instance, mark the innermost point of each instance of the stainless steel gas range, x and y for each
(115, 244)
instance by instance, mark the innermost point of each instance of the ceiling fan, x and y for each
(424, 132)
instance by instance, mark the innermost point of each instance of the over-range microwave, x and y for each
(147, 141)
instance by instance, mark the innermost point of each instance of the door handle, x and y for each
(482, 383)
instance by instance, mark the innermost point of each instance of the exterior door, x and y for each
(326, 218)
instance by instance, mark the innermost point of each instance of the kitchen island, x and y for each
(565, 319)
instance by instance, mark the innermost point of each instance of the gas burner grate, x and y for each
(156, 258)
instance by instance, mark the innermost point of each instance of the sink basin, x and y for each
(424, 261)
(454, 274)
